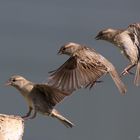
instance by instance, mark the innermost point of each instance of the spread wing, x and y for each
(52, 95)
(78, 71)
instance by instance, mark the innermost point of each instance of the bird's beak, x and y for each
(59, 52)
(98, 37)
(8, 83)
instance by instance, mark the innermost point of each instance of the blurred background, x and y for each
(31, 33)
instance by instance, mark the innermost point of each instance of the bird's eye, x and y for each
(13, 80)
(64, 49)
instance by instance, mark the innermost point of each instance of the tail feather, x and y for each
(116, 78)
(137, 75)
(63, 120)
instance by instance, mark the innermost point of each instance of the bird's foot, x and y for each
(125, 72)
(90, 85)
(100, 81)
(25, 118)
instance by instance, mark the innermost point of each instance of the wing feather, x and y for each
(134, 30)
(52, 95)
(77, 72)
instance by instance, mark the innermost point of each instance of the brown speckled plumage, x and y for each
(41, 98)
(84, 67)
(128, 40)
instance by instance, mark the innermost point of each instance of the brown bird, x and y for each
(128, 41)
(84, 67)
(40, 98)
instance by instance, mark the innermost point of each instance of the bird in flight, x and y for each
(41, 98)
(84, 67)
(128, 41)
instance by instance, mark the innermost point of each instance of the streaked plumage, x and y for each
(128, 40)
(84, 67)
(40, 98)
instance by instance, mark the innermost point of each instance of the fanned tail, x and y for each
(116, 78)
(63, 120)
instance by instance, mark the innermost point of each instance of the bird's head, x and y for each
(17, 81)
(69, 48)
(106, 34)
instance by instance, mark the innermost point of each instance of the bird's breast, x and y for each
(27, 99)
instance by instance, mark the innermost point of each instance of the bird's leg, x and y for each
(126, 70)
(28, 113)
(90, 85)
(33, 115)
(100, 81)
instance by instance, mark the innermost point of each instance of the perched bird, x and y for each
(128, 41)
(40, 98)
(84, 67)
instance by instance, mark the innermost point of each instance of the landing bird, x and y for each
(40, 98)
(84, 67)
(128, 41)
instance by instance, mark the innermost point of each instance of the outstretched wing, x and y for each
(52, 95)
(78, 71)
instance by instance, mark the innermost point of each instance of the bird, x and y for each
(128, 41)
(83, 69)
(41, 98)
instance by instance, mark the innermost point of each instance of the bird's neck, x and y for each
(113, 37)
(26, 88)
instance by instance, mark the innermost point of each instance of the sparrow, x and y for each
(41, 98)
(84, 67)
(128, 41)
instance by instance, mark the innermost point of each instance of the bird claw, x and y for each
(100, 81)
(92, 84)
(25, 117)
(126, 72)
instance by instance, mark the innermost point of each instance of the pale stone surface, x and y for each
(11, 127)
